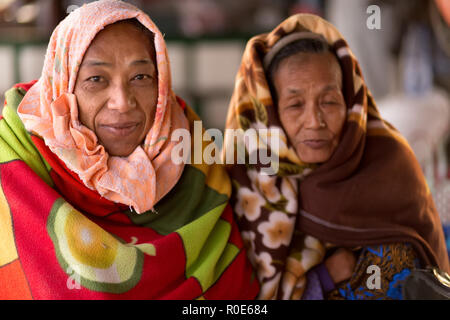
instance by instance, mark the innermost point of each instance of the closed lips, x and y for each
(120, 128)
(316, 143)
(120, 125)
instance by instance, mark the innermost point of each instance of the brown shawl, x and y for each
(371, 191)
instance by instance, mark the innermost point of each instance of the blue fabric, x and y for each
(395, 286)
(392, 272)
(447, 238)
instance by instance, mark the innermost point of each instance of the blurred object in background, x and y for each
(50, 13)
(209, 18)
(199, 17)
(417, 60)
(228, 17)
(268, 15)
(22, 20)
(371, 47)
(424, 121)
(307, 6)
(440, 23)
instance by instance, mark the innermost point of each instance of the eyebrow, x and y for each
(330, 87)
(99, 63)
(140, 62)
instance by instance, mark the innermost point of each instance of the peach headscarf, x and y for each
(50, 111)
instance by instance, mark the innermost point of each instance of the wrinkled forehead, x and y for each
(325, 63)
(127, 34)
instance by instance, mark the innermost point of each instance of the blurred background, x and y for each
(405, 60)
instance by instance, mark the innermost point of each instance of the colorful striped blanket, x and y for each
(61, 240)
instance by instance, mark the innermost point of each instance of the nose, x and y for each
(313, 117)
(121, 99)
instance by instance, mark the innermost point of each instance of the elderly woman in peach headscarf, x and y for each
(347, 213)
(91, 204)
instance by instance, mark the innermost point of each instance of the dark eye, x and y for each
(141, 77)
(296, 105)
(95, 79)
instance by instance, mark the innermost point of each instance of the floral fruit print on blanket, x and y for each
(98, 259)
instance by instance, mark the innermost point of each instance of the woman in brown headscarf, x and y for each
(348, 213)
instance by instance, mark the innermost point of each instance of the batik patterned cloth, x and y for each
(370, 192)
(62, 240)
(392, 264)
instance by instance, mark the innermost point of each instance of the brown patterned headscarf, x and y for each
(370, 192)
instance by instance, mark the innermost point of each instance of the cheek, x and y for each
(290, 122)
(335, 121)
(147, 100)
(88, 109)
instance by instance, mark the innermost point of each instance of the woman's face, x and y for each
(117, 88)
(311, 106)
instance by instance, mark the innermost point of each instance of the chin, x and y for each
(120, 152)
(313, 157)
(120, 147)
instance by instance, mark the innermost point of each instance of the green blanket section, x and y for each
(15, 141)
(193, 210)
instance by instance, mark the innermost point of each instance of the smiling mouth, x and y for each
(121, 129)
(316, 144)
